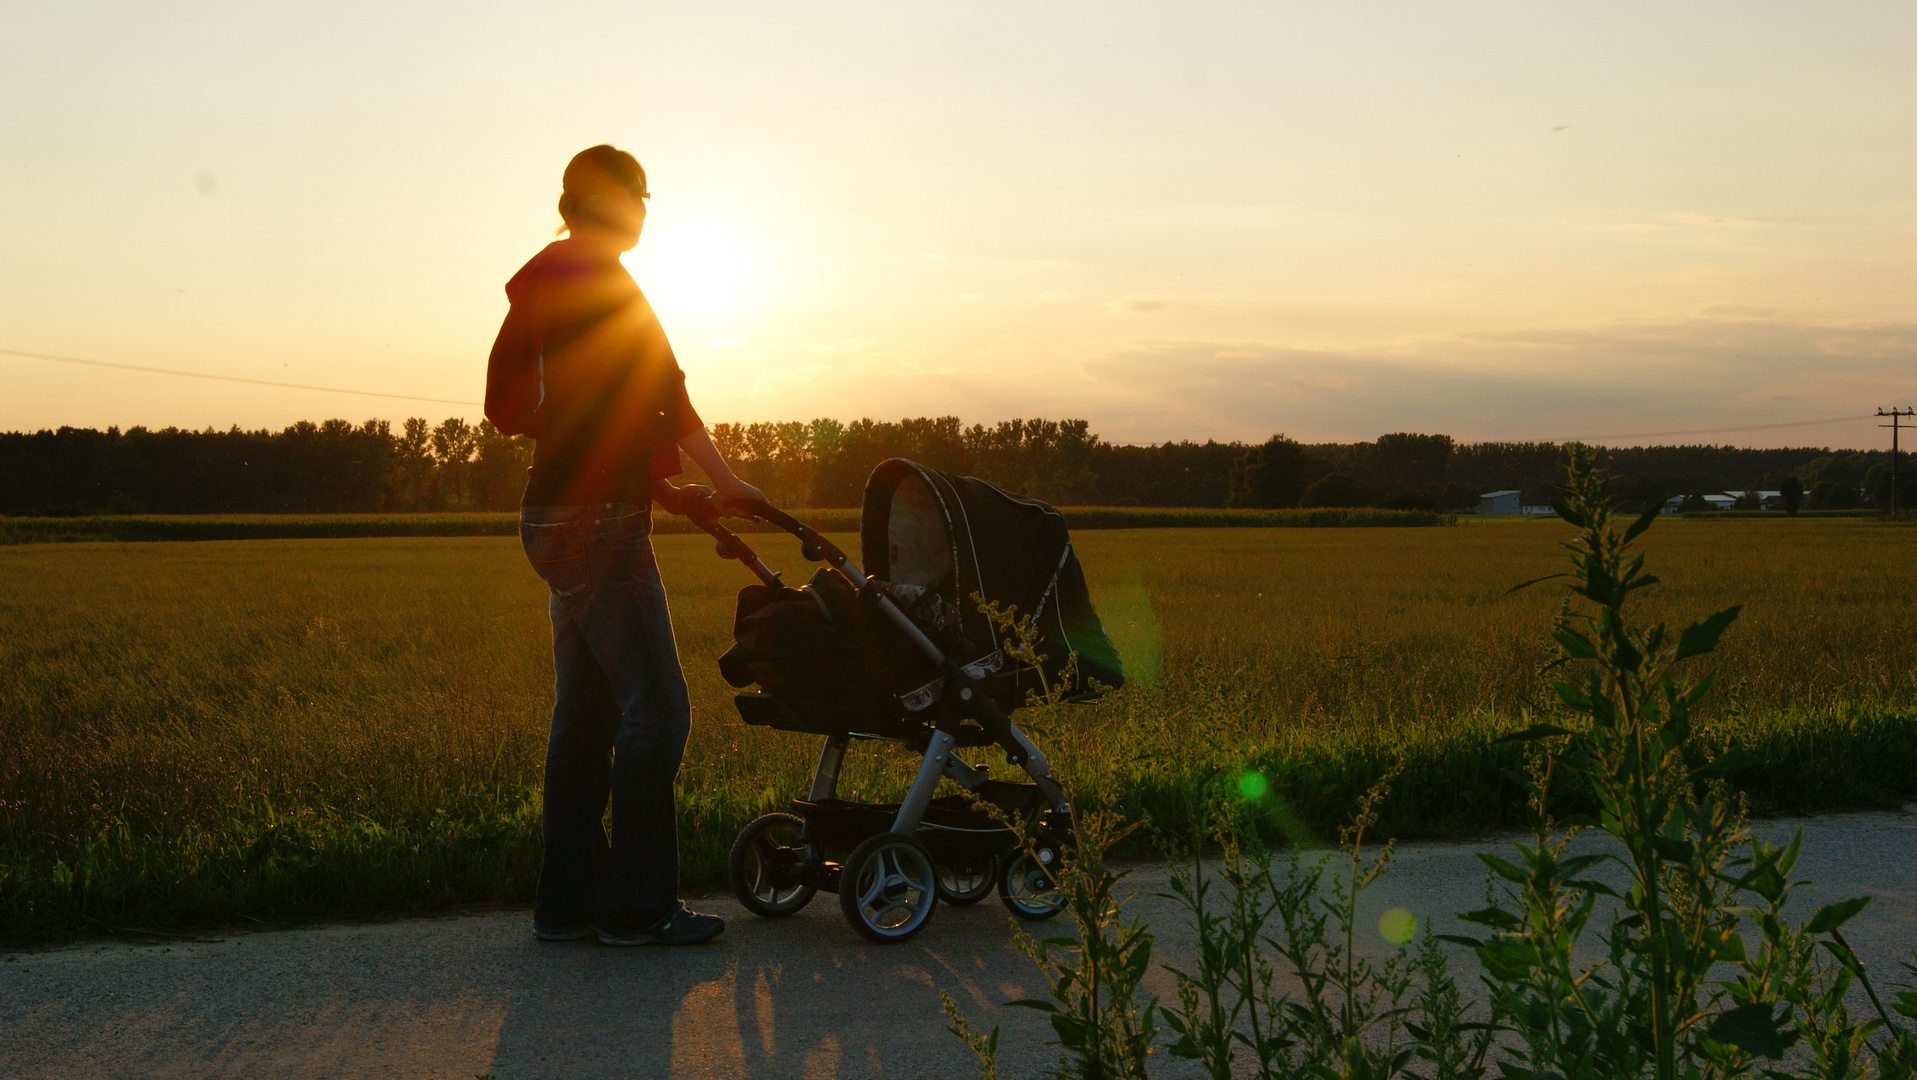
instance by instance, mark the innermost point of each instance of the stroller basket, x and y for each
(953, 828)
(826, 717)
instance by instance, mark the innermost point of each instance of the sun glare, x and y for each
(695, 267)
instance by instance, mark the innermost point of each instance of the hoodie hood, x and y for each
(556, 263)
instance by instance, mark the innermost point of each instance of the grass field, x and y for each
(282, 729)
(160, 527)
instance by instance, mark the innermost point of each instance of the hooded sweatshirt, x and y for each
(582, 365)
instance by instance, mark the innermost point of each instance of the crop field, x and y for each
(147, 527)
(283, 729)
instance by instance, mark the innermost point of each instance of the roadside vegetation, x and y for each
(291, 729)
(1665, 950)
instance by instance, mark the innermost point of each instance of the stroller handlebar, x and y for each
(704, 512)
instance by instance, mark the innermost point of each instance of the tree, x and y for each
(1792, 492)
(1640, 493)
(413, 465)
(1408, 499)
(1877, 485)
(1336, 490)
(1168, 474)
(454, 444)
(498, 472)
(1412, 461)
(1832, 495)
(1694, 502)
(1272, 475)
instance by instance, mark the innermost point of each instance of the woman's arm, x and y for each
(731, 490)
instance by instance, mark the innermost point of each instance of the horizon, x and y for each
(1211, 222)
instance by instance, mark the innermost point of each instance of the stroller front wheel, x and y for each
(766, 866)
(888, 888)
(1029, 889)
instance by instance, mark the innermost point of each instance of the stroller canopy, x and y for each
(959, 535)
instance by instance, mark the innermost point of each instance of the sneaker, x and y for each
(562, 933)
(683, 926)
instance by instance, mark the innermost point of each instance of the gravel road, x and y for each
(803, 997)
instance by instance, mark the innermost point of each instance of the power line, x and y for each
(232, 378)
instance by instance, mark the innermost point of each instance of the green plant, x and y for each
(1094, 1007)
(1352, 1016)
(1349, 1018)
(1224, 1001)
(1653, 782)
(984, 1047)
(1648, 1007)
(1093, 974)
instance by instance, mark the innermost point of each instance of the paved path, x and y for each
(803, 997)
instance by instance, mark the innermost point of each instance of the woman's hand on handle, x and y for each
(678, 499)
(738, 498)
(734, 496)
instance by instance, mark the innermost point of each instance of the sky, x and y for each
(1178, 220)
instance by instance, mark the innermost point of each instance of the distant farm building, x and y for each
(1728, 500)
(1500, 502)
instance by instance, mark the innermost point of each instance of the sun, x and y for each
(698, 267)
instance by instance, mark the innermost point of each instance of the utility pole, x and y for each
(1895, 415)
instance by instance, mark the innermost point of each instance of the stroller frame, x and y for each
(964, 698)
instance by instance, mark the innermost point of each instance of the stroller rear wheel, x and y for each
(765, 866)
(889, 888)
(968, 880)
(1028, 888)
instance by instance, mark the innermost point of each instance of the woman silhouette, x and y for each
(583, 366)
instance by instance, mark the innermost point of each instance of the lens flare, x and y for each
(1397, 925)
(1252, 785)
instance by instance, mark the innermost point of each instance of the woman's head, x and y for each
(604, 192)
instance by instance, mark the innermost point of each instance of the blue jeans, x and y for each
(619, 719)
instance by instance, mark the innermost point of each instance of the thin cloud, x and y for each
(1525, 384)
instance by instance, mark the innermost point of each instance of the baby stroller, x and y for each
(901, 651)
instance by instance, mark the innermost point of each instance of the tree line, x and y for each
(340, 467)
(329, 467)
(1410, 471)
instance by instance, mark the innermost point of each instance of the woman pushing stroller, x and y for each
(582, 365)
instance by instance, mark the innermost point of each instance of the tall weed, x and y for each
(1107, 1033)
(1350, 1015)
